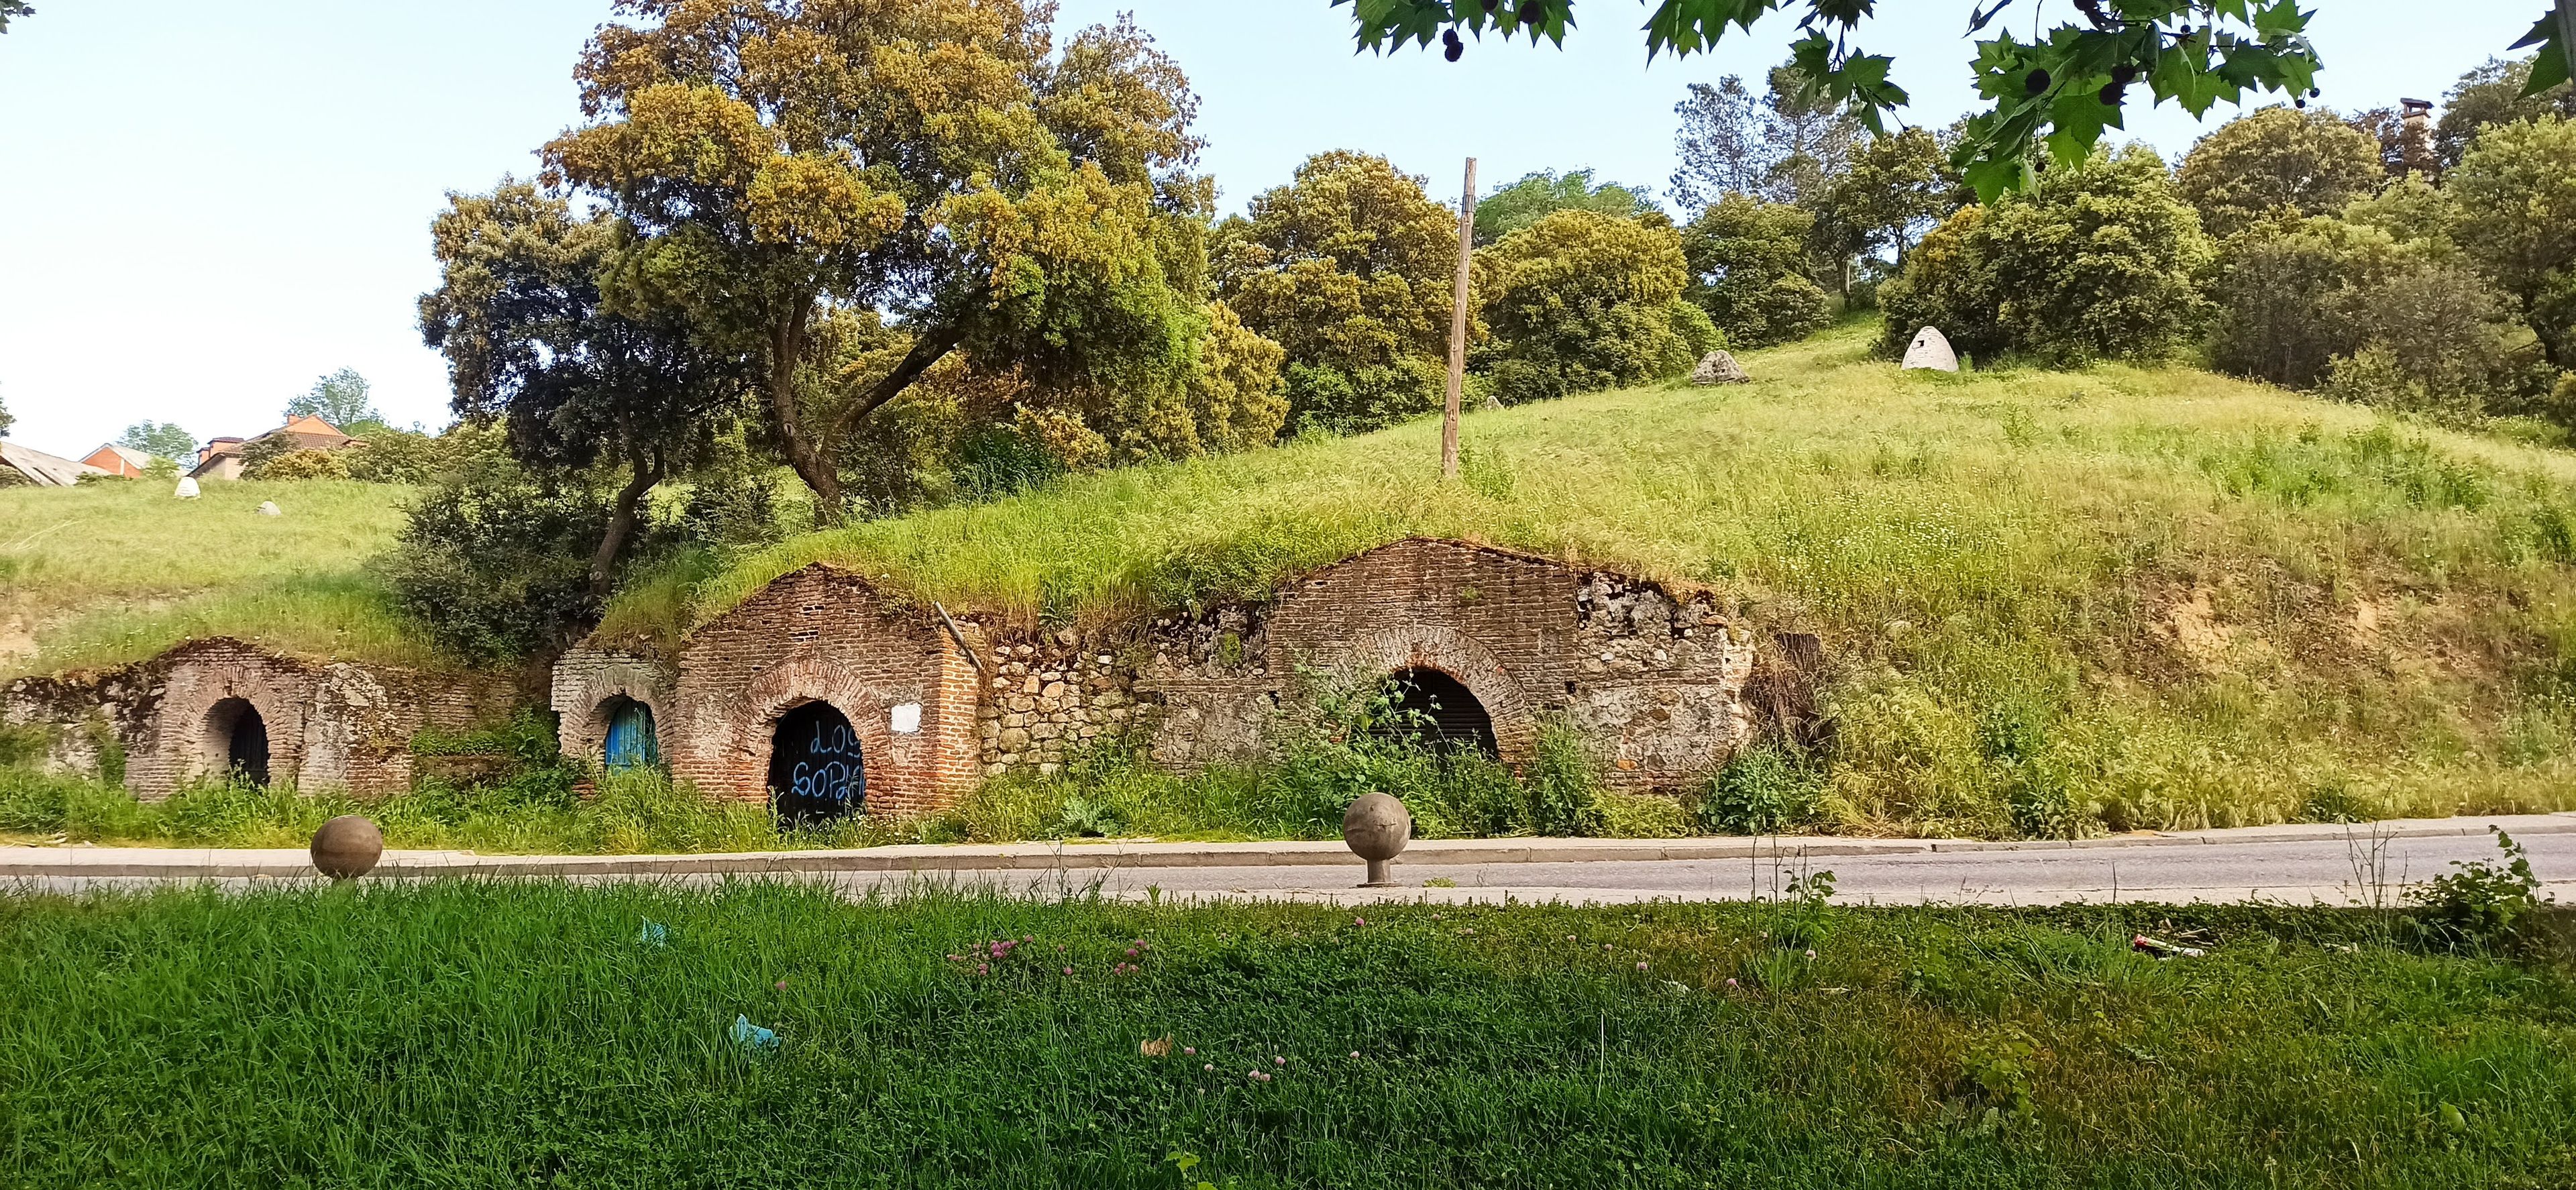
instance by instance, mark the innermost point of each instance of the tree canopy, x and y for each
(160, 439)
(1348, 268)
(2516, 195)
(342, 398)
(536, 341)
(1517, 205)
(1580, 300)
(2275, 160)
(1747, 259)
(942, 164)
(2062, 88)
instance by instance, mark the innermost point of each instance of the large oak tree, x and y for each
(940, 164)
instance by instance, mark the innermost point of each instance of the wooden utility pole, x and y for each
(1458, 324)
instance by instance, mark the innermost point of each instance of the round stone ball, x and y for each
(347, 846)
(1376, 826)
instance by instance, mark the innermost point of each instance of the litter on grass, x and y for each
(752, 1037)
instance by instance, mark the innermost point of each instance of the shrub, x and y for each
(1563, 784)
(2099, 261)
(301, 464)
(1764, 787)
(2516, 196)
(494, 562)
(2478, 904)
(1579, 301)
(1747, 261)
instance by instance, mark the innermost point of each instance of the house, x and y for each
(122, 461)
(20, 465)
(222, 458)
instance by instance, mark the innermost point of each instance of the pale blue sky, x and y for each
(204, 206)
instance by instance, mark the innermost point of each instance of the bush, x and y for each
(1763, 788)
(2099, 261)
(1563, 784)
(2481, 904)
(1747, 261)
(1579, 301)
(494, 563)
(301, 464)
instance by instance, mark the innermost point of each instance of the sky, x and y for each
(205, 207)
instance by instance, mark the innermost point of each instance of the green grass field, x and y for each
(113, 572)
(470, 1034)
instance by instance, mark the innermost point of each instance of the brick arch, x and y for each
(585, 725)
(1430, 646)
(740, 766)
(182, 748)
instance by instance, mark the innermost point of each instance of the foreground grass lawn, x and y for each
(521, 1034)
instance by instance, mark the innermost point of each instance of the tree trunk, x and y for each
(804, 453)
(927, 349)
(621, 525)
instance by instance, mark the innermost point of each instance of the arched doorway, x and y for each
(815, 771)
(629, 742)
(1438, 711)
(239, 738)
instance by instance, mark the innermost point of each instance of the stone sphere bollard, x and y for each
(1376, 827)
(347, 846)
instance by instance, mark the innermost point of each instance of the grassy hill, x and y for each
(2156, 598)
(107, 573)
(2159, 597)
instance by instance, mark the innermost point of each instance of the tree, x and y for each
(2064, 87)
(492, 560)
(1899, 185)
(2497, 91)
(2100, 261)
(1747, 263)
(2278, 159)
(2515, 191)
(6, 419)
(1513, 207)
(939, 163)
(340, 398)
(538, 338)
(8, 9)
(2405, 141)
(1348, 269)
(159, 439)
(1581, 300)
(1788, 147)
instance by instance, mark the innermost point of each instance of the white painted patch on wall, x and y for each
(905, 719)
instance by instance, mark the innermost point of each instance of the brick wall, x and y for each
(1653, 679)
(586, 685)
(825, 634)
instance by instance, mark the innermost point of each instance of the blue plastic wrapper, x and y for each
(751, 1036)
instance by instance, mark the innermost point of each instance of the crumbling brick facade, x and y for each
(326, 725)
(1654, 680)
(825, 635)
(589, 682)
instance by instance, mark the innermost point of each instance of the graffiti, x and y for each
(815, 771)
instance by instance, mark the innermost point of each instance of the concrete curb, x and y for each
(188, 863)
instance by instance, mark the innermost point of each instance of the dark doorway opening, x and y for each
(815, 772)
(1433, 709)
(630, 743)
(244, 736)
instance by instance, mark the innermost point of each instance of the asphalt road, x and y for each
(2352, 869)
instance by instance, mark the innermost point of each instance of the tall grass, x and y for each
(467, 1034)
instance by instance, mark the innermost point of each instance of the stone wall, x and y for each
(330, 725)
(1047, 694)
(822, 634)
(1652, 678)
